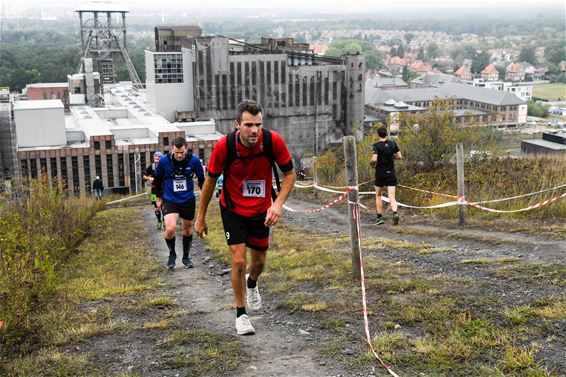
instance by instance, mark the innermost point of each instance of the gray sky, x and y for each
(299, 4)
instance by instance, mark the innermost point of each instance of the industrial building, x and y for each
(551, 142)
(471, 105)
(92, 126)
(313, 101)
(8, 156)
(115, 142)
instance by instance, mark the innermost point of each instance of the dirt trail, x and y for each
(279, 348)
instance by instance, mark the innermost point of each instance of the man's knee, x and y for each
(238, 257)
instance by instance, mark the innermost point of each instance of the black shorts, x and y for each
(386, 178)
(185, 210)
(249, 230)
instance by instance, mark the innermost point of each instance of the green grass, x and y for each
(108, 287)
(204, 352)
(550, 92)
(422, 323)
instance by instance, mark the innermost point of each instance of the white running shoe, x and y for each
(243, 325)
(252, 296)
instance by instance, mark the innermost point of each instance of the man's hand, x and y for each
(201, 228)
(273, 214)
(373, 160)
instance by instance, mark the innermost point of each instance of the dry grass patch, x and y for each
(204, 353)
(490, 261)
(315, 307)
(51, 363)
(383, 244)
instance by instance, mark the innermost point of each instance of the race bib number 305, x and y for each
(254, 188)
(180, 185)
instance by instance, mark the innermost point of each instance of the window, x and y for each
(132, 164)
(166, 141)
(98, 165)
(86, 166)
(108, 144)
(33, 166)
(201, 153)
(169, 68)
(43, 164)
(53, 163)
(121, 171)
(24, 168)
(75, 170)
(110, 170)
(64, 170)
(97, 145)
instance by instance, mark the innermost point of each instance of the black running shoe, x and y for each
(188, 262)
(171, 262)
(395, 219)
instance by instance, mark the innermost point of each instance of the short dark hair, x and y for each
(179, 142)
(249, 106)
(382, 131)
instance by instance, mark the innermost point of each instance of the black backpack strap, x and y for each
(188, 157)
(230, 157)
(268, 151)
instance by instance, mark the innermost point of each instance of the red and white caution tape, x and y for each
(341, 197)
(128, 198)
(521, 196)
(339, 187)
(386, 199)
(364, 296)
(300, 185)
(534, 206)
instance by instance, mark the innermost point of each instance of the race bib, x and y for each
(180, 185)
(254, 188)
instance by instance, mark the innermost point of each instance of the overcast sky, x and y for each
(297, 4)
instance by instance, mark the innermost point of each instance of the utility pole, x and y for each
(353, 208)
(460, 176)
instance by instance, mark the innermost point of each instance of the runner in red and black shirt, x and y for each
(246, 203)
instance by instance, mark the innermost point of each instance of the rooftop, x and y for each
(38, 105)
(452, 90)
(48, 85)
(127, 116)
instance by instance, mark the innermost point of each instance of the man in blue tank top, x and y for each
(175, 196)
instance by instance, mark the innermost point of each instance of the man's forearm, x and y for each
(206, 194)
(286, 187)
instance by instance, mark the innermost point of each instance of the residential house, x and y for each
(515, 72)
(463, 73)
(420, 67)
(396, 64)
(490, 73)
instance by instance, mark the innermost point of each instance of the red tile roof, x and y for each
(490, 69)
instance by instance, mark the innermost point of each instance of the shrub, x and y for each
(39, 227)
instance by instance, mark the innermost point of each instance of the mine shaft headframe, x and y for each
(103, 37)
